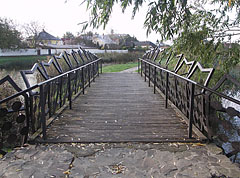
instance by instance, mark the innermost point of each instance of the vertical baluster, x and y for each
(43, 115)
(69, 91)
(149, 75)
(89, 75)
(49, 99)
(83, 85)
(191, 110)
(145, 79)
(138, 64)
(98, 68)
(155, 76)
(61, 93)
(166, 90)
(93, 72)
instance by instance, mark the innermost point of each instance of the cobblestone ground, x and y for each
(118, 160)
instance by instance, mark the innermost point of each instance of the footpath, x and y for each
(120, 160)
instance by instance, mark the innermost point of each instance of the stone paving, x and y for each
(128, 160)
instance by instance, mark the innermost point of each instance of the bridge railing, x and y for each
(28, 112)
(194, 100)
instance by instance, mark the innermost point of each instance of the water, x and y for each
(233, 135)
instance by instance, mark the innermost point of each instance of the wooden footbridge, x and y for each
(74, 102)
(118, 107)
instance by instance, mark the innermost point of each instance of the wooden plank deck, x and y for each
(118, 107)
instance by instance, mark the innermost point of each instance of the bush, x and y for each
(120, 58)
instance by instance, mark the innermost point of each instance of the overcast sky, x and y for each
(59, 16)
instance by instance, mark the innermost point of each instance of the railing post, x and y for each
(83, 82)
(60, 91)
(75, 81)
(89, 76)
(138, 64)
(166, 90)
(155, 77)
(191, 110)
(49, 100)
(98, 68)
(149, 75)
(93, 72)
(145, 79)
(69, 91)
(101, 66)
(43, 115)
(141, 68)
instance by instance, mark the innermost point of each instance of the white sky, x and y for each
(59, 17)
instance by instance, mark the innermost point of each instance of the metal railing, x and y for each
(28, 111)
(190, 97)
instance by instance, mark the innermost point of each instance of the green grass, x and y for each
(20, 62)
(119, 67)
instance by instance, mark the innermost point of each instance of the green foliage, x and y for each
(68, 35)
(203, 33)
(10, 37)
(19, 62)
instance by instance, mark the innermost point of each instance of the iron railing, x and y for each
(152, 72)
(201, 105)
(30, 110)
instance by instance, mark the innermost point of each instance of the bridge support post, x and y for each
(191, 111)
(166, 90)
(43, 115)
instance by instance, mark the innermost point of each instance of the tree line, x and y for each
(204, 30)
(13, 38)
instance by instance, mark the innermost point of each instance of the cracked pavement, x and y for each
(103, 160)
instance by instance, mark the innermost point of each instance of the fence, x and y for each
(199, 104)
(61, 79)
(34, 52)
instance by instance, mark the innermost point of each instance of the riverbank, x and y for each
(20, 62)
(153, 160)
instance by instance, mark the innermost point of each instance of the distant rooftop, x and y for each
(46, 36)
(52, 46)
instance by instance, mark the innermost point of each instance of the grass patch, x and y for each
(20, 62)
(119, 67)
(120, 58)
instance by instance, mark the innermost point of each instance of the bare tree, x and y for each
(31, 31)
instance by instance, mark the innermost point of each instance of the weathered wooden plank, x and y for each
(118, 108)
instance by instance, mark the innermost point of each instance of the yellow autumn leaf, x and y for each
(1, 156)
(67, 172)
(198, 144)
